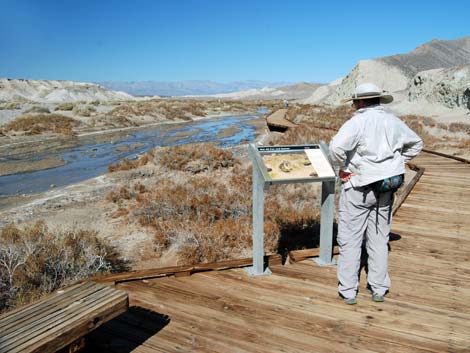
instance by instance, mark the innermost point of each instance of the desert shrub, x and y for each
(36, 109)
(459, 127)
(324, 117)
(123, 112)
(128, 164)
(37, 260)
(11, 106)
(83, 110)
(463, 144)
(304, 133)
(42, 123)
(95, 102)
(67, 106)
(419, 125)
(109, 120)
(196, 158)
(123, 193)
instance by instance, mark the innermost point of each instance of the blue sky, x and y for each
(219, 40)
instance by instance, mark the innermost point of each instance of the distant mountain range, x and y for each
(185, 88)
(299, 90)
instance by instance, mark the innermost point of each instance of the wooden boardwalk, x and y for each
(297, 308)
(278, 120)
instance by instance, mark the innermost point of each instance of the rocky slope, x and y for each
(449, 87)
(396, 73)
(56, 91)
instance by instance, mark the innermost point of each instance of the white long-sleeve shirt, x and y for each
(374, 144)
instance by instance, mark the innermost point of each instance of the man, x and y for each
(371, 146)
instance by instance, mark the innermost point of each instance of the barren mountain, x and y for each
(395, 73)
(56, 91)
(432, 55)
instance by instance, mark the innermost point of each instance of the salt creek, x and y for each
(90, 156)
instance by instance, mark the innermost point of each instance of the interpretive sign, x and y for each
(285, 165)
(309, 163)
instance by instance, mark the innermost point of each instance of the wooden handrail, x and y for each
(407, 189)
(460, 159)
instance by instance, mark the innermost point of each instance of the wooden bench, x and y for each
(61, 318)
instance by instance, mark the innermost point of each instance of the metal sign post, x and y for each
(262, 180)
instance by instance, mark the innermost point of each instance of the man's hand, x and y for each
(345, 176)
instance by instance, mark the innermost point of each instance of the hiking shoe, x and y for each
(350, 301)
(377, 298)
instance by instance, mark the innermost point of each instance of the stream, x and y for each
(91, 155)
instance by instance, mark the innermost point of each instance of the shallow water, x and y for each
(90, 158)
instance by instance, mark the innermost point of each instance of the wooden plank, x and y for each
(299, 255)
(202, 294)
(216, 322)
(29, 332)
(168, 271)
(32, 313)
(39, 323)
(55, 298)
(83, 322)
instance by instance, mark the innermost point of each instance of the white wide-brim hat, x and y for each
(369, 90)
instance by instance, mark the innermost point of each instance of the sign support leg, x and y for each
(258, 227)
(326, 225)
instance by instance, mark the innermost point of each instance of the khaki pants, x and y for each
(357, 219)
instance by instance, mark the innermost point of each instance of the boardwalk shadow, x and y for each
(365, 256)
(127, 331)
(295, 237)
(298, 237)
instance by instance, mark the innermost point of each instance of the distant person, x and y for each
(371, 150)
(286, 103)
